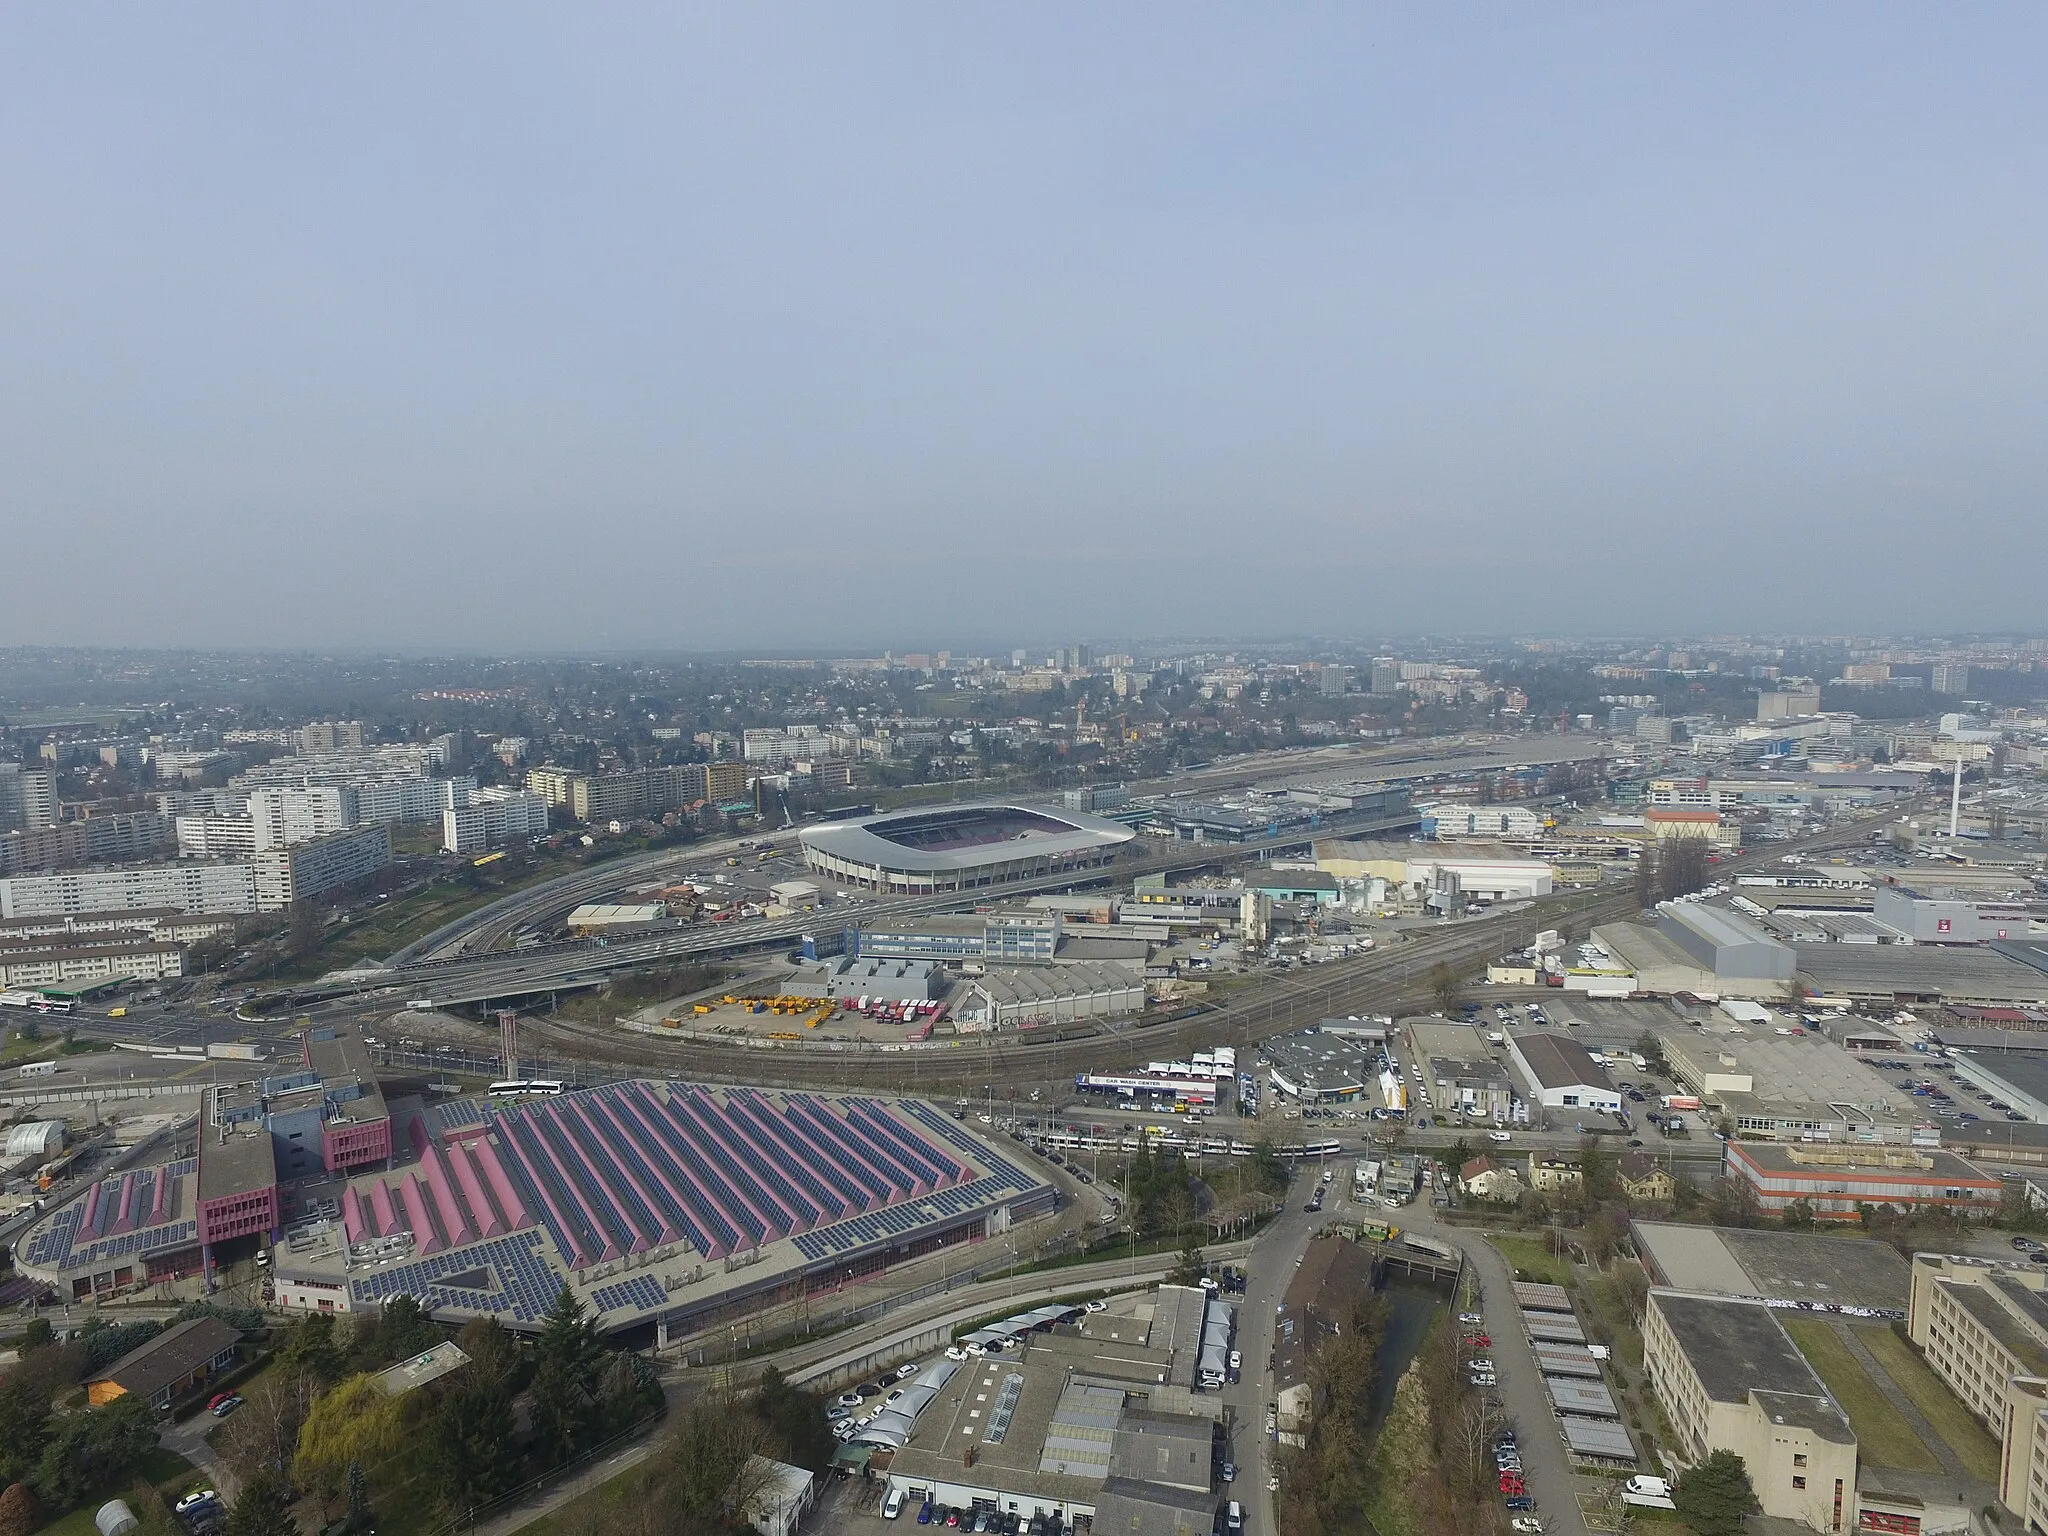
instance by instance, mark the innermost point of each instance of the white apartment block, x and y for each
(283, 817)
(216, 837)
(348, 768)
(403, 799)
(139, 961)
(328, 736)
(1730, 1378)
(305, 870)
(778, 745)
(185, 887)
(265, 882)
(492, 817)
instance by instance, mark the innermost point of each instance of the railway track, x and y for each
(1380, 982)
(1386, 981)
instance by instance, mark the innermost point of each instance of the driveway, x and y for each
(1552, 1483)
(1274, 1257)
(188, 1439)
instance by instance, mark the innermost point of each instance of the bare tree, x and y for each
(263, 1438)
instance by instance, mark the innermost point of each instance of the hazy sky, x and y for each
(756, 327)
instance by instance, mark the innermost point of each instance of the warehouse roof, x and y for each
(1557, 1061)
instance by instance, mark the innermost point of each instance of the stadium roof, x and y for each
(884, 841)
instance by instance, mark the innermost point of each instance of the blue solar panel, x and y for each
(699, 1215)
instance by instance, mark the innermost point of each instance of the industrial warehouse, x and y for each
(657, 1203)
(959, 848)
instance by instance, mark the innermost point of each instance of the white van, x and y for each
(892, 1504)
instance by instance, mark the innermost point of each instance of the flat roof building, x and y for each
(1317, 1066)
(1089, 1420)
(2019, 1079)
(1836, 1181)
(1908, 975)
(1791, 1087)
(1983, 1327)
(1730, 1379)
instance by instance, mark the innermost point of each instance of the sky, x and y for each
(762, 327)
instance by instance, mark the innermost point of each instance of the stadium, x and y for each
(660, 1204)
(959, 847)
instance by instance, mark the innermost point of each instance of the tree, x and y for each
(1596, 1169)
(20, 1514)
(1733, 1202)
(24, 1427)
(1189, 1267)
(1445, 986)
(1799, 1215)
(403, 1330)
(704, 1467)
(262, 1510)
(467, 1449)
(1175, 1208)
(1269, 1169)
(493, 1353)
(796, 1419)
(566, 1359)
(94, 1450)
(356, 1422)
(1634, 1288)
(263, 1439)
(37, 1335)
(311, 1345)
(306, 930)
(1713, 1496)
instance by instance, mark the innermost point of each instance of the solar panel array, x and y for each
(526, 1287)
(128, 1244)
(624, 1168)
(1005, 1409)
(458, 1112)
(642, 1293)
(114, 1204)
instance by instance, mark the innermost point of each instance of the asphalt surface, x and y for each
(1274, 1259)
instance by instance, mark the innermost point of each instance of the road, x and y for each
(1271, 1267)
(1381, 981)
(450, 975)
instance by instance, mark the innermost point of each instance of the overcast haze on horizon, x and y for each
(597, 327)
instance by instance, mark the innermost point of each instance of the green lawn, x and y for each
(77, 1523)
(1605, 1296)
(1881, 1430)
(1529, 1256)
(1944, 1410)
(593, 1504)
